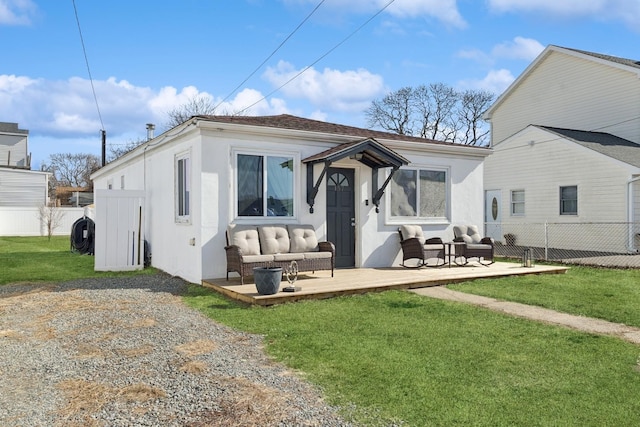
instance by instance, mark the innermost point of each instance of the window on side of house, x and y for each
(183, 187)
(517, 202)
(419, 194)
(264, 185)
(569, 200)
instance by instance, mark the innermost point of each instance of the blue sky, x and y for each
(147, 58)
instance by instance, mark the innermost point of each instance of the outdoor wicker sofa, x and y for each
(250, 246)
(416, 246)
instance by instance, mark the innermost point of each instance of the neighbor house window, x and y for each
(419, 193)
(517, 202)
(183, 187)
(569, 200)
(264, 185)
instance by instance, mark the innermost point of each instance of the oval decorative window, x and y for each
(494, 208)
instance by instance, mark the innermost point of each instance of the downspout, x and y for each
(631, 243)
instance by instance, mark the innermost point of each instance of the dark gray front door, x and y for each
(341, 215)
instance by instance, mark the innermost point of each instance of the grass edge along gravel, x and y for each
(396, 357)
(39, 260)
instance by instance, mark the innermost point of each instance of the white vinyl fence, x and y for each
(25, 221)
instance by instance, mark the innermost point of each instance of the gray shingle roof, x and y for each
(286, 121)
(604, 143)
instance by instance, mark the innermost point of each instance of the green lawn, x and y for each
(37, 259)
(398, 357)
(610, 294)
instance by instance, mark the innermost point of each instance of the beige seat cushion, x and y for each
(288, 257)
(246, 259)
(317, 255)
(468, 233)
(245, 237)
(303, 238)
(274, 239)
(411, 231)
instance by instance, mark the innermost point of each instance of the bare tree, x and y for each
(51, 217)
(435, 105)
(472, 107)
(120, 150)
(393, 112)
(71, 170)
(436, 111)
(196, 106)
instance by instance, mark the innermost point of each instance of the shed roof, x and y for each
(610, 145)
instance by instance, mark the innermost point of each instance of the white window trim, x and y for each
(560, 200)
(511, 202)
(185, 155)
(233, 195)
(398, 220)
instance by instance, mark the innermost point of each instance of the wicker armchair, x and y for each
(426, 252)
(475, 246)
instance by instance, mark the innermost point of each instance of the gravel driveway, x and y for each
(128, 352)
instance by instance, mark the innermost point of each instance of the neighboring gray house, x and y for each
(19, 185)
(13, 146)
(566, 150)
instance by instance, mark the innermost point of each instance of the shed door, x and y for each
(341, 215)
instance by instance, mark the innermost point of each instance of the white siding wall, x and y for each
(13, 150)
(570, 92)
(22, 187)
(540, 169)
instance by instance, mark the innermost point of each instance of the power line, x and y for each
(86, 60)
(270, 56)
(320, 58)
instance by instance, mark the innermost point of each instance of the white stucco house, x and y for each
(566, 149)
(354, 186)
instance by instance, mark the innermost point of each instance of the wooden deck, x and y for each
(362, 280)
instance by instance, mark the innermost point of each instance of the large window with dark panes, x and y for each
(419, 193)
(264, 185)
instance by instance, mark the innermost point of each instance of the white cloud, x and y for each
(67, 108)
(16, 12)
(496, 81)
(336, 90)
(627, 11)
(519, 48)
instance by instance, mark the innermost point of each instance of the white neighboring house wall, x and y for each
(20, 187)
(568, 89)
(194, 248)
(540, 162)
(13, 146)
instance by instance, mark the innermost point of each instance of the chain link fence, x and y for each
(606, 244)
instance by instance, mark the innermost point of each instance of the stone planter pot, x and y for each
(267, 279)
